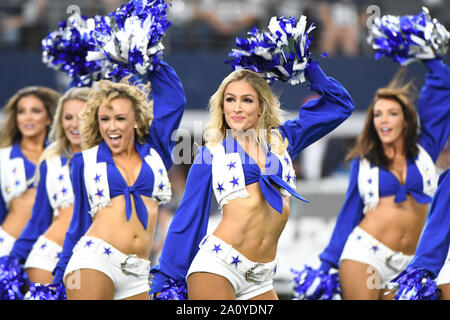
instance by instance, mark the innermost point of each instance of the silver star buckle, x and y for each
(249, 272)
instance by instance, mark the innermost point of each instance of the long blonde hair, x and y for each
(101, 95)
(60, 144)
(269, 121)
(9, 133)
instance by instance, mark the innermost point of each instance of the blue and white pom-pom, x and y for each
(282, 53)
(408, 38)
(128, 41)
(38, 291)
(312, 284)
(174, 290)
(13, 279)
(414, 284)
(65, 50)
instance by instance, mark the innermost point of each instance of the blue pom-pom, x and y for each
(312, 284)
(38, 291)
(13, 279)
(65, 50)
(408, 38)
(129, 40)
(414, 284)
(174, 290)
(281, 53)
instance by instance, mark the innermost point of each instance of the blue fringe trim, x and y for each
(312, 284)
(414, 284)
(13, 279)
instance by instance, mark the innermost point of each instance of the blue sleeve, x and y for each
(81, 219)
(317, 117)
(188, 226)
(434, 107)
(41, 219)
(3, 208)
(434, 243)
(169, 102)
(349, 217)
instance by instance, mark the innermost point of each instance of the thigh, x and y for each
(88, 284)
(39, 275)
(359, 281)
(445, 291)
(269, 295)
(209, 286)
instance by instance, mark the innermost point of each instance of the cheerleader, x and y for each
(40, 243)
(392, 180)
(119, 179)
(247, 165)
(29, 114)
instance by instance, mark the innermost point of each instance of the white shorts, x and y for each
(129, 273)
(6, 242)
(44, 255)
(249, 279)
(363, 247)
(444, 274)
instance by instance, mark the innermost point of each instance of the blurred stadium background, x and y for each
(197, 44)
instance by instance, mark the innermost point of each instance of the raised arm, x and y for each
(349, 217)
(434, 107)
(169, 102)
(188, 226)
(317, 117)
(41, 218)
(81, 219)
(434, 243)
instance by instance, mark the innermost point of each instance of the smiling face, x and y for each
(116, 124)
(389, 121)
(32, 118)
(241, 105)
(71, 122)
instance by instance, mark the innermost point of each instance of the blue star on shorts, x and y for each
(236, 260)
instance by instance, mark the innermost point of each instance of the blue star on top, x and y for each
(231, 165)
(97, 178)
(288, 177)
(107, 251)
(161, 186)
(44, 245)
(61, 177)
(64, 190)
(55, 196)
(99, 193)
(235, 181)
(161, 171)
(220, 187)
(88, 243)
(217, 248)
(371, 194)
(17, 182)
(369, 181)
(14, 171)
(236, 260)
(286, 159)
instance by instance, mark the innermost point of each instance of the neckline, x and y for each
(262, 171)
(110, 159)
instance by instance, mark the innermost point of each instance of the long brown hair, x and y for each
(9, 131)
(368, 144)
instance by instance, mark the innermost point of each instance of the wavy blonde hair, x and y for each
(9, 133)
(101, 95)
(60, 144)
(269, 121)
